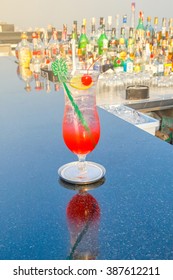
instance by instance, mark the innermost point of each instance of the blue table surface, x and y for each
(135, 198)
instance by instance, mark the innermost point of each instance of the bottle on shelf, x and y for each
(122, 44)
(37, 53)
(170, 53)
(118, 63)
(128, 64)
(93, 37)
(170, 27)
(82, 44)
(46, 57)
(149, 30)
(64, 42)
(117, 25)
(45, 39)
(163, 34)
(163, 27)
(167, 61)
(75, 31)
(137, 62)
(126, 28)
(131, 43)
(140, 29)
(158, 63)
(155, 35)
(146, 54)
(113, 43)
(40, 41)
(101, 26)
(102, 42)
(109, 27)
(133, 15)
(53, 45)
(84, 23)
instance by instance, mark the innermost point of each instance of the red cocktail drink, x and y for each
(81, 127)
(77, 139)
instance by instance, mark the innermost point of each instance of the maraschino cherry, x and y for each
(86, 80)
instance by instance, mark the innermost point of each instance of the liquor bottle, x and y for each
(64, 42)
(170, 52)
(75, 31)
(113, 43)
(117, 25)
(170, 27)
(128, 64)
(140, 29)
(84, 24)
(93, 27)
(53, 45)
(83, 42)
(45, 39)
(159, 63)
(146, 53)
(124, 25)
(40, 42)
(133, 15)
(118, 64)
(156, 33)
(155, 26)
(24, 51)
(102, 43)
(131, 43)
(122, 39)
(167, 62)
(131, 40)
(149, 30)
(137, 62)
(37, 54)
(163, 27)
(164, 36)
(93, 37)
(109, 27)
(72, 51)
(45, 42)
(46, 59)
(101, 26)
(122, 44)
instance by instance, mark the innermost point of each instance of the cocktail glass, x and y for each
(81, 127)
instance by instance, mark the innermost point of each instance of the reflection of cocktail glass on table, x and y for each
(83, 218)
(81, 127)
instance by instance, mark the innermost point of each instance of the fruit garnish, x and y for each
(77, 82)
(60, 69)
(86, 80)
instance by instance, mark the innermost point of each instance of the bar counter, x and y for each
(133, 203)
(160, 98)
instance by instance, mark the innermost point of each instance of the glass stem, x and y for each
(82, 163)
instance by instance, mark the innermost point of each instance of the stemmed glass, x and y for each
(81, 127)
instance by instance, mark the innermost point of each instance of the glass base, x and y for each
(72, 173)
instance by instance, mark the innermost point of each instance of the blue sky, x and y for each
(39, 13)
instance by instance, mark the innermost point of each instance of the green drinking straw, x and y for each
(60, 69)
